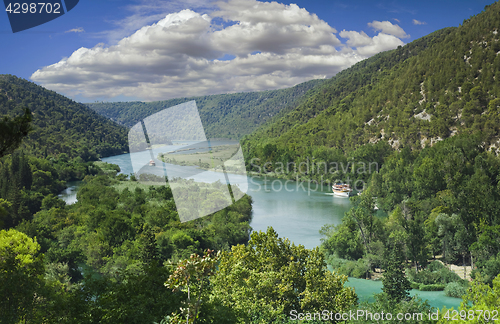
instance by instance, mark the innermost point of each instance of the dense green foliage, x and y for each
(12, 131)
(29, 184)
(268, 281)
(110, 228)
(442, 200)
(430, 89)
(271, 277)
(117, 236)
(222, 116)
(55, 141)
(396, 285)
(480, 304)
(21, 273)
(434, 275)
(192, 276)
(455, 289)
(102, 260)
(59, 124)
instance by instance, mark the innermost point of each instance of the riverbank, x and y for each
(292, 212)
(365, 289)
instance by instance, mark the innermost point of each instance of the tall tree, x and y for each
(396, 285)
(12, 131)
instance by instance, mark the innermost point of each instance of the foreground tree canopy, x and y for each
(270, 278)
(21, 274)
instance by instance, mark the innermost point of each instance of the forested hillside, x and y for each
(226, 115)
(60, 125)
(440, 85)
(427, 116)
(438, 184)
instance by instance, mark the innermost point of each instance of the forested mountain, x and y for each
(440, 85)
(427, 116)
(60, 125)
(226, 115)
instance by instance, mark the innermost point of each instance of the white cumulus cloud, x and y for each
(387, 27)
(260, 45)
(76, 30)
(418, 22)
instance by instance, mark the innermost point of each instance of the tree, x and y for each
(343, 240)
(271, 277)
(451, 229)
(21, 275)
(191, 276)
(480, 304)
(12, 131)
(396, 285)
(362, 213)
(486, 252)
(4, 207)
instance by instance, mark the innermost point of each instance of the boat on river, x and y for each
(152, 163)
(341, 189)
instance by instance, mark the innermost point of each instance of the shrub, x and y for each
(448, 276)
(414, 285)
(435, 266)
(455, 289)
(335, 262)
(431, 276)
(356, 269)
(425, 277)
(433, 287)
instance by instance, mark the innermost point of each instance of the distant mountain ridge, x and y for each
(60, 125)
(223, 116)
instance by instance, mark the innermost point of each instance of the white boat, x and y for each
(341, 190)
(152, 163)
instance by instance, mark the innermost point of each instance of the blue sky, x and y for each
(153, 50)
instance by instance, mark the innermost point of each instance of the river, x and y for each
(297, 212)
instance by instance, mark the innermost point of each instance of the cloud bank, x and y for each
(244, 45)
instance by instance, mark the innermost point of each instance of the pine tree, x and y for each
(396, 285)
(25, 175)
(12, 131)
(149, 254)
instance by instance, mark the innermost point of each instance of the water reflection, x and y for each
(69, 194)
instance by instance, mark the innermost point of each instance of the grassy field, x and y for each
(107, 167)
(132, 185)
(212, 159)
